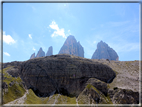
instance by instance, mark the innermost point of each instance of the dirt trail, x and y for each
(77, 102)
(20, 100)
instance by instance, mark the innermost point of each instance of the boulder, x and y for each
(62, 73)
(100, 85)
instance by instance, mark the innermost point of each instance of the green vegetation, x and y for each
(14, 91)
(66, 100)
(32, 98)
(89, 86)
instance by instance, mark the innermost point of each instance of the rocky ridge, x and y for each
(41, 53)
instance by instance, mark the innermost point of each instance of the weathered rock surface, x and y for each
(14, 63)
(103, 51)
(100, 85)
(80, 50)
(64, 73)
(4, 85)
(50, 51)
(32, 56)
(72, 47)
(40, 53)
(123, 96)
(92, 95)
(13, 71)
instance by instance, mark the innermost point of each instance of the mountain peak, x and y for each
(50, 51)
(40, 53)
(32, 56)
(72, 47)
(103, 51)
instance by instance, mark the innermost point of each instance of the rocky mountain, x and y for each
(50, 51)
(72, 47)
(68, 79)
(32, 56)
(103, 51)
(40, 53)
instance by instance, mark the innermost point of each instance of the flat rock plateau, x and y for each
(68, 79)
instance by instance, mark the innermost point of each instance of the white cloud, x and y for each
(58, 32)
(34, 49)
(7, 54)
(30, 36)
(8, 39)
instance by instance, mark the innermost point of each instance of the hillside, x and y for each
(71, 80)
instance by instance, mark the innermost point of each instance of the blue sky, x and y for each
(29, 26)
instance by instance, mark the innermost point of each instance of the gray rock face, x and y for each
(72, 47)
(50, 51)
(32, 56)
(80, 50)
(62, 73)
(123, 96)
(103, 51)
(40, 53)
(100, 85)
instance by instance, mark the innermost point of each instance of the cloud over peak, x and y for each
(58, 31)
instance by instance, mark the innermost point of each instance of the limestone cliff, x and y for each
(40, 53)
(103, 51)
(72, 47)
(50, 51)
(32, 56)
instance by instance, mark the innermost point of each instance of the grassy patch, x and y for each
(15, 91)
(31, 98)
(89, 86)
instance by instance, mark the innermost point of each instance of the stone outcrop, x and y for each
(95, 92)
(123, 96)
(62, 73)
(32, 56)
(103, 51)
(40, 53)
(72, 47)
(100, 85)
(13, 71)
(50, 51)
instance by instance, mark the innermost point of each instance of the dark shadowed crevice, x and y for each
(111, 79)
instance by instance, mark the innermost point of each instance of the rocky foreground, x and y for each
(72, 80)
